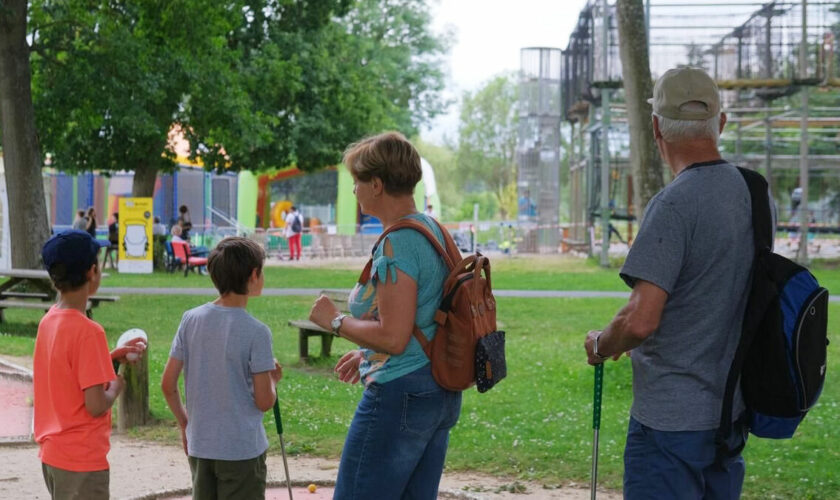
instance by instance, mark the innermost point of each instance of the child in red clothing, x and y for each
(74, 379)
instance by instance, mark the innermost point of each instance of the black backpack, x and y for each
(296, 225)
(781, 356)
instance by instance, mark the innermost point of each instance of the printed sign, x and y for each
(135, 235)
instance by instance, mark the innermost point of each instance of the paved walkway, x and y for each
(572, 294)
(578, 294)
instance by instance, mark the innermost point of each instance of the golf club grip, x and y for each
(277, 420)
(599, 386)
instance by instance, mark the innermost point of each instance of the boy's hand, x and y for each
(184, 438)
(134, 346)
(323, 312)
(347, 367)
(114, 387)
(277, 373)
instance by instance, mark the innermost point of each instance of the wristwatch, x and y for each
(595, 348)
(336, 323)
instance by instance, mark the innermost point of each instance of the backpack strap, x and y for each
(762, 223)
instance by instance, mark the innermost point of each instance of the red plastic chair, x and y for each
(182, 252)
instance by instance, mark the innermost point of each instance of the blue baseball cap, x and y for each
(75, 250)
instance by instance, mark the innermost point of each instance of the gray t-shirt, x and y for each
(696, 243)
(222, 348)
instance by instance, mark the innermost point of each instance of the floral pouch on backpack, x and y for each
(490, 366)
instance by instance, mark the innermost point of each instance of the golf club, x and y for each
(596, 425)
(126, 337)
(279, 422)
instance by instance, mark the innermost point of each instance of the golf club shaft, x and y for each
(278, 421)
(286, 466)
(596, 424)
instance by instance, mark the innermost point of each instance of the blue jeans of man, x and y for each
(680, 465)
(397, 442)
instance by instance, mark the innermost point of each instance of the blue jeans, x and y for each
(679, 465)
(397, 442)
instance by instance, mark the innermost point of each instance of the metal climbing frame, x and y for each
(777, 64)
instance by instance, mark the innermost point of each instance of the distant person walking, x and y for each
(90, 226)
(294, 228)
(185, 221)
(80, 223)
(689, 269)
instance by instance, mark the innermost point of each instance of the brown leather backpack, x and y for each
(467, 349)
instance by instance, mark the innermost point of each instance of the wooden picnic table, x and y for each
(38, 293)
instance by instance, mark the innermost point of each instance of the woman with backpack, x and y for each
(396, 444)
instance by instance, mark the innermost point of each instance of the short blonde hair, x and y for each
(388, 156)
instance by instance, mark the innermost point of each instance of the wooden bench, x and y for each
(308, 329)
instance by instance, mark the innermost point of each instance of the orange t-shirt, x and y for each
(71, 354)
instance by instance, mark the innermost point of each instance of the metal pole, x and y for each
(804, 216)
(768, 155)
(590, 183)
(605, 144)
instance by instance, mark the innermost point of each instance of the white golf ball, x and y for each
(132, 356)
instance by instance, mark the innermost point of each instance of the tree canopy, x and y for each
(487, 140)
(254, 84)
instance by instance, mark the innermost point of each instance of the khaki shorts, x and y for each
(70, 485)
(229, 479)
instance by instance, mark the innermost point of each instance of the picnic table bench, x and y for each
(44, 295)
(308, 329)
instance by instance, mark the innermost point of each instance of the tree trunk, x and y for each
(28, 223)
(645, 164)
(143, 186)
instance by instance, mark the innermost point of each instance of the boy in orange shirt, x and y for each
(73, 376)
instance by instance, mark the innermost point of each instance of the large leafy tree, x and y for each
(487, 140)
(253, 84)
(22, 155)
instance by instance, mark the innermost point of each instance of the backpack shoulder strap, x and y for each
(762, 220)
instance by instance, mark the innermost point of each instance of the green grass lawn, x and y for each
(515, 273)
(536, 425)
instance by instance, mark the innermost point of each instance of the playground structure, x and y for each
(778, 69)
(229, 203)
(538, 148)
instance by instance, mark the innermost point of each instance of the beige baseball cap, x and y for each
(679, 86)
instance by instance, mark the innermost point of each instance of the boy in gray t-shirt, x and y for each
(229, 378)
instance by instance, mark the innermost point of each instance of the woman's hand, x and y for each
(323, 312)
(347, 367)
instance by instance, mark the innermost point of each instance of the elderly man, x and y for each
(689, 269)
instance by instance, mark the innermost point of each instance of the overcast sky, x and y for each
(489, 34)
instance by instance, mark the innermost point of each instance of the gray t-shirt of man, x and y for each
(695, 243)
(222, 348)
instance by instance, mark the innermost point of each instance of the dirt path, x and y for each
(146, 470)
(143, 470)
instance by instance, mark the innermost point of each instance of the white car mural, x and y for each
(135, 242)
